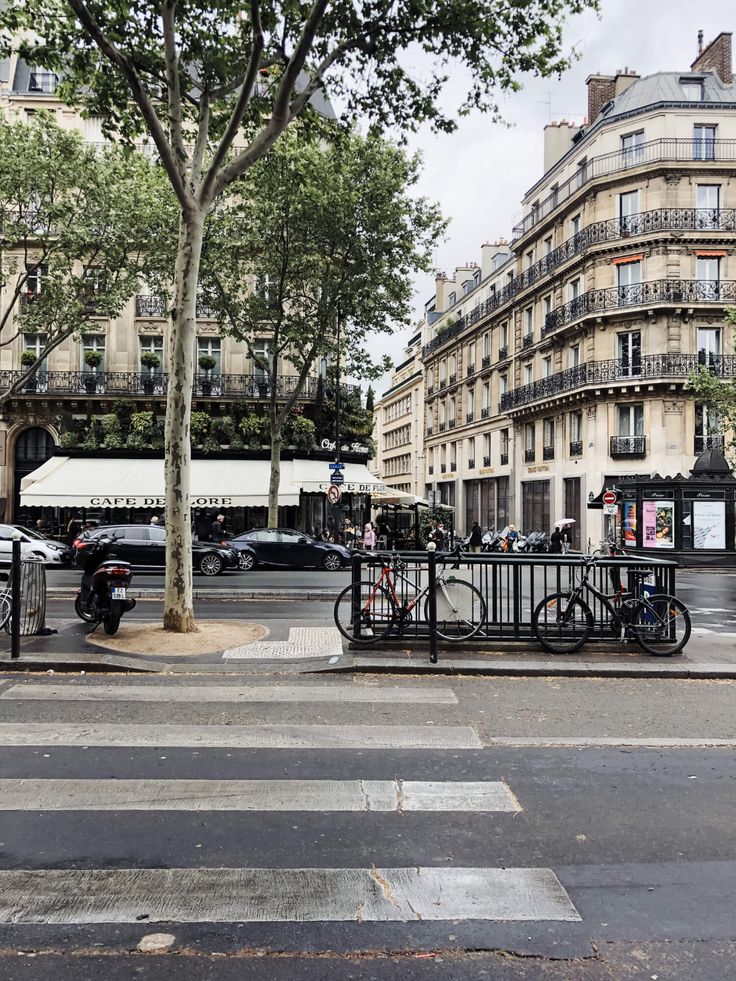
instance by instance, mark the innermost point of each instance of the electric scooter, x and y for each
(103, 596)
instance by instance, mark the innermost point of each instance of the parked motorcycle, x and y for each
(535, 541)
(103, 595)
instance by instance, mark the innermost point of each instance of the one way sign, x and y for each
(336, 466)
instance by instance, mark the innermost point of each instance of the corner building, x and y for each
(561, 363)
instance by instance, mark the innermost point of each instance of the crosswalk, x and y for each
(99, 781)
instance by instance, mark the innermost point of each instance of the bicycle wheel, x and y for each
(4, 610)
(662, 625)
(561, 623)
(375, 614)
(461, 609)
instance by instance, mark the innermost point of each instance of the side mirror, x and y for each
(302, 541)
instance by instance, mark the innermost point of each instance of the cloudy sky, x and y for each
(479, 173)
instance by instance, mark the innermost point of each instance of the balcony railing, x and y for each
(429, 430)
(688, 292)
(130, 383)
(486, 361)
(451, 424)
(576, 447)
(529, 456)
(442, 427)
(610, 230)
(443, 468)
(628, 446)
(649, 367)
(468, 416)
(471, 463)
(709, 443)
(470, 370)
(654, 151)
(484, 413)
(504, 459)
(153, 306)
(430, 389)
(486, 461)
(527, 341)
(548, 452)
(453, 379)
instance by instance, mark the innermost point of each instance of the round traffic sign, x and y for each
(334, 494)
(610, 497)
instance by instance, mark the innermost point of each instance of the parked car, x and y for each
(286, 547)
(31, 543)
(144, 546)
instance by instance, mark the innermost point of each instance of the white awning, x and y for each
(392, 496)
(138, 483)
(314, 475)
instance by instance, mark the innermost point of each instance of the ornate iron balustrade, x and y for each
(442, 427)
(504, 459)
(654, 151)
(576, 447)
(152, 305)
(452, 423)
(527, 341)
(471, 463)
(468, 416)
(131, 383)
(650, 366)
(470, 369)
(503, 353)
(430, 389)
(628, 446)
(548, 452)
(484, 413)
(429, 430)
(486, 461)
(42, 82)
(529, 456)
(685, 291)
(486, 362)
(453, 379)
(709, 443)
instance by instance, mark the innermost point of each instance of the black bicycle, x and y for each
(563, 622)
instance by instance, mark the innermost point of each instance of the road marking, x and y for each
(240, 737)
(231, 693)
(303, 642)
(255, 795)
(583, 742)
(79, 896)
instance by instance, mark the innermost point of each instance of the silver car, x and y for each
(31, 543)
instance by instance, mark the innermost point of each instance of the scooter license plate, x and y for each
(118, 592)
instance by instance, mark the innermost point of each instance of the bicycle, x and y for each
(5, 607)
(562, 622)
(366, 612)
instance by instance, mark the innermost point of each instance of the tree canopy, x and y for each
(708, 385)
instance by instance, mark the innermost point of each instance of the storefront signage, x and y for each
(658, 520)
(709, 524)
(485, 470)
(351, 487)
(156, 502)
(542, 468)
(329, 444)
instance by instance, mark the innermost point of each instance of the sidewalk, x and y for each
(708, 655)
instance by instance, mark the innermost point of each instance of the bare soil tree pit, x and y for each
(212, 637)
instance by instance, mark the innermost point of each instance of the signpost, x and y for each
(337, 478)
(610, 498)
(334, 494)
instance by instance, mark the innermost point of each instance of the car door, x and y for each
(6, 543)
(156, 548)
(268, 546)
(297, 550)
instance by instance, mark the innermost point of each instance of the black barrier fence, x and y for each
(511, 586)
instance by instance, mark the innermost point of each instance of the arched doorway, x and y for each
(32, 448)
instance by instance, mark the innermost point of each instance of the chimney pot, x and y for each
(700, 42)
(715, 57)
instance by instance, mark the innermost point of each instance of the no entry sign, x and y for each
(610, 497)
(334, 494)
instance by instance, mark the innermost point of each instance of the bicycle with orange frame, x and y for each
(367, 611)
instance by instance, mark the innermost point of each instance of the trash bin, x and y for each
(32, 596)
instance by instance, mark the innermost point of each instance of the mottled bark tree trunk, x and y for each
(275, 478)
(178, 598)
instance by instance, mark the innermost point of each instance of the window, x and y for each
(468, 285)
(548, 439)
(573, 357)
(453, 411)
(528, 373)
(708, 275)
(503, 384)
(628, 348)
(152, 345)
(453, 367)
(504, 341)
(487, 450)
(96, 343)
(632, 146)
(692, 89)
(629, 278)
(530, 259)
(630, 420)
(574, 288)
(486, 345)
(529, 321)
(548, 245)
(486, 397)
(266, 289)
(443, 415)
(210, 347)
(529, 436)
(628, 207)
(40, 80)
(708, 427)
(574, 225)
(94, 281)
(471, 403)
(35, 276)
(471, 353)
(452, 299)
(36, 343)
(709, 346)
(704, 143)
(443, 372)
(547, 366)
(93, 129)
(547, 306)
(576, 427)
(708, 205)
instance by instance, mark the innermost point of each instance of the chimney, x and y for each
(601, 89)
(624, 79)
(715, 57)
(557, 141)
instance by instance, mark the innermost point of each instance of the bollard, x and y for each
(15, 598)
(432, 582)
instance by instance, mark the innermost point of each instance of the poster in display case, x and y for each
(709, 524)
(658, 522)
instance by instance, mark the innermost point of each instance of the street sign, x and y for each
(610, 508)
(334, 494)
(337, 478)
(610, 497)
(336, 466)
(433, 498)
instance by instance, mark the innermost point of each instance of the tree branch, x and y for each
(173, 87)
(203, 129)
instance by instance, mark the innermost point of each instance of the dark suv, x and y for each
(144, 546)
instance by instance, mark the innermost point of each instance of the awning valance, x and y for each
(314, 475)
(138, 483)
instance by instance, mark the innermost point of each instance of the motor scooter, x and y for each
(103, 595)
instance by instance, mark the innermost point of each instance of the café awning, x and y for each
(314, 475)
(131, 482)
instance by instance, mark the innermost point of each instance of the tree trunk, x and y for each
(275, 478)
(178, 598)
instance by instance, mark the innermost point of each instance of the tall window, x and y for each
(530, 259)
(35, 276)
(528, 373)
(708, 275)
(576, 427)
(708, 205)
(263, 351)
(505, 444)
(503, 384)
(209, 347)
(152, 345)
(443, 414)
(471, 354)
(628, 207)
(487, 345)
(530, 437)
(471, 402)
(631, 420)
(452, 299)
(573, 356)
(453, 411)
(704, 142)
(93, 342)
(486, 397)
(453, 366)
(709, 346)
(547, 366)
(628, 346)
(575, 225)
(443, 372)
(487, 450)
(529, 321)
(548, 245)
(548, 432)
(708, 427)
(504, 339)
(574, 288)
(632, 146)
(35, 343)
(629, 277)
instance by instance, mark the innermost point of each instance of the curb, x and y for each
(107, 663)
(234, 595)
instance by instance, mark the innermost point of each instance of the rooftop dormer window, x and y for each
(693, 89)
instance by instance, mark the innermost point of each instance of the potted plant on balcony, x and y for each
(28, 358)
(206, 363)
(151, 361)
(93, 360)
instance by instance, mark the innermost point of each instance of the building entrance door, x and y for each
(33, 447)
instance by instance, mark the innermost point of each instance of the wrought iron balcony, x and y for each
(484, 413)
(471, 463)
(654, 151)
(529, 456)
(443, 468)
(503, 353)
(576, 447)
(647, 368)
(429, 430)
(453, 379)
(486, 461)
(628, 446)
(442, 427)
(153, 306)
(430, 469)
(486, 361)
(430, 389)
(124, 384)
(548, 452)
(443, 384)
(709, 443)
(468, 416)
(452, 423)
(505, 459)
(470, 370)
(527, 340)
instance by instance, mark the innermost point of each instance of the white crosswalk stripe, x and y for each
(303, 642)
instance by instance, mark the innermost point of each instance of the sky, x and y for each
(479, 173)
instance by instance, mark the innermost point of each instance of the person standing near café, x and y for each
(369, 536)
(217, 528)
(476, 538)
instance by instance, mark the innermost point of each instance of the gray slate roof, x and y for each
(666, 87)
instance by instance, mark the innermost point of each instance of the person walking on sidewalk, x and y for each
(369, 536)
(476, 538)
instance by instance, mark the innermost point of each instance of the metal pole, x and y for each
(337, 392)
(15, 597)
(432, 572)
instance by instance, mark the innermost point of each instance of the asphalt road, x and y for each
(639, 841)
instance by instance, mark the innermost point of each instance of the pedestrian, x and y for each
(512, 538)
(349, 534)
(555, 541)
(217, 528)
(154, 519)
(369, 536)
(476, 537)
(384, 530)
(566, 539)
(439, 537)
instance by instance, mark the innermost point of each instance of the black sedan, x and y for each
(144, 546)
(288, 548)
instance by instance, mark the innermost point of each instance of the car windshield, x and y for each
(31, 534)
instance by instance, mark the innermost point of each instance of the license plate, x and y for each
(118, 592)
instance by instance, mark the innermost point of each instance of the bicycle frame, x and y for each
(388, 574)
(609, 602)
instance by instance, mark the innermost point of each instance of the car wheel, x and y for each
(211, 565)
(246, 561)
(332, 562)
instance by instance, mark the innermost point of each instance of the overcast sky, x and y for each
(479, 173)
